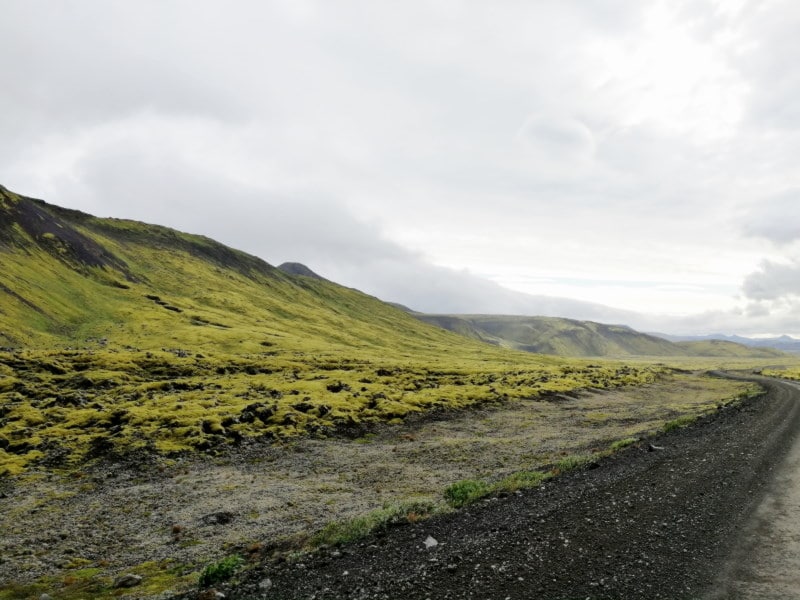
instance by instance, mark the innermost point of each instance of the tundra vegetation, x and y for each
(790, 372)
(151, 379)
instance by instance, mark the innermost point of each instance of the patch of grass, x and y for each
(679, 422)
(520, 481)
(573, 463)
(623, 443)
(465, 492)
(344, 532)
(220, 571)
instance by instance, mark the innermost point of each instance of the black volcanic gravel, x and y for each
(644, 524)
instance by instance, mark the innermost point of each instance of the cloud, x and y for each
(600, 140)
(773, 281)
(557, 145)
(771, 219)
(768, 58)
(126, 182)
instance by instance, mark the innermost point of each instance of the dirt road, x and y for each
(766, 564)
(663, 523)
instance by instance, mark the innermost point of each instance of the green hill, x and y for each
(117, 335)
(728, 349)
(568, 337)
(68, 277)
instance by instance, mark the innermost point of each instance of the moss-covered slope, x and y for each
(68, 277)
(117, 335)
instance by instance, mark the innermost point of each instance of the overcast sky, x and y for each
(631, 153)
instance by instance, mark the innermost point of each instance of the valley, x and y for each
(168, 404)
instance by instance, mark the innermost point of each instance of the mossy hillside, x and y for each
(155, 286)
(61, 407)
(175, 342)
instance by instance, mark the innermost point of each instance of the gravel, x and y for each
(654, 521)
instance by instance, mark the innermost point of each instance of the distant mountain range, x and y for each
(569, 337)
(783, 343)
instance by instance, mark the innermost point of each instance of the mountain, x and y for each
(295, 268)
(67, 277)
(117, 336)
(782, 343)
(568, 337)
(727, 348)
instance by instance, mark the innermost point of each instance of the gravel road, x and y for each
(645, 524)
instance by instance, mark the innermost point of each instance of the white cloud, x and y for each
(617, 150)
(773, 218)
(774, 281)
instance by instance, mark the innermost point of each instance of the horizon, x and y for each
(610, 161)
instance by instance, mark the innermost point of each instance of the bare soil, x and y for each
(663, 523)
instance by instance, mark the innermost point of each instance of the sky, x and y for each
(622, 160)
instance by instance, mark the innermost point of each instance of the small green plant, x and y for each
(220, 571)
(572, 463)
(343, 532)
(466, 492)
(520, 481)
(624, 443)
(679, 422)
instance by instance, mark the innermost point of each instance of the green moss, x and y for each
(113, 400)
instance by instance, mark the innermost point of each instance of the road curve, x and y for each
(765, 565)
(677, 523)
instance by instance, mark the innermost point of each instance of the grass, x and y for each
(791, 372)
(220, 571)
(624, 443)
(350, 530)
(466, 492)
(573, 463)
(95, 582)
(679, 423)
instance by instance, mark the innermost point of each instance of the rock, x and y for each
(265, 584)
(430, 542)
(127, 581)
(45, 597)
(218, 518)
(211, 594)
